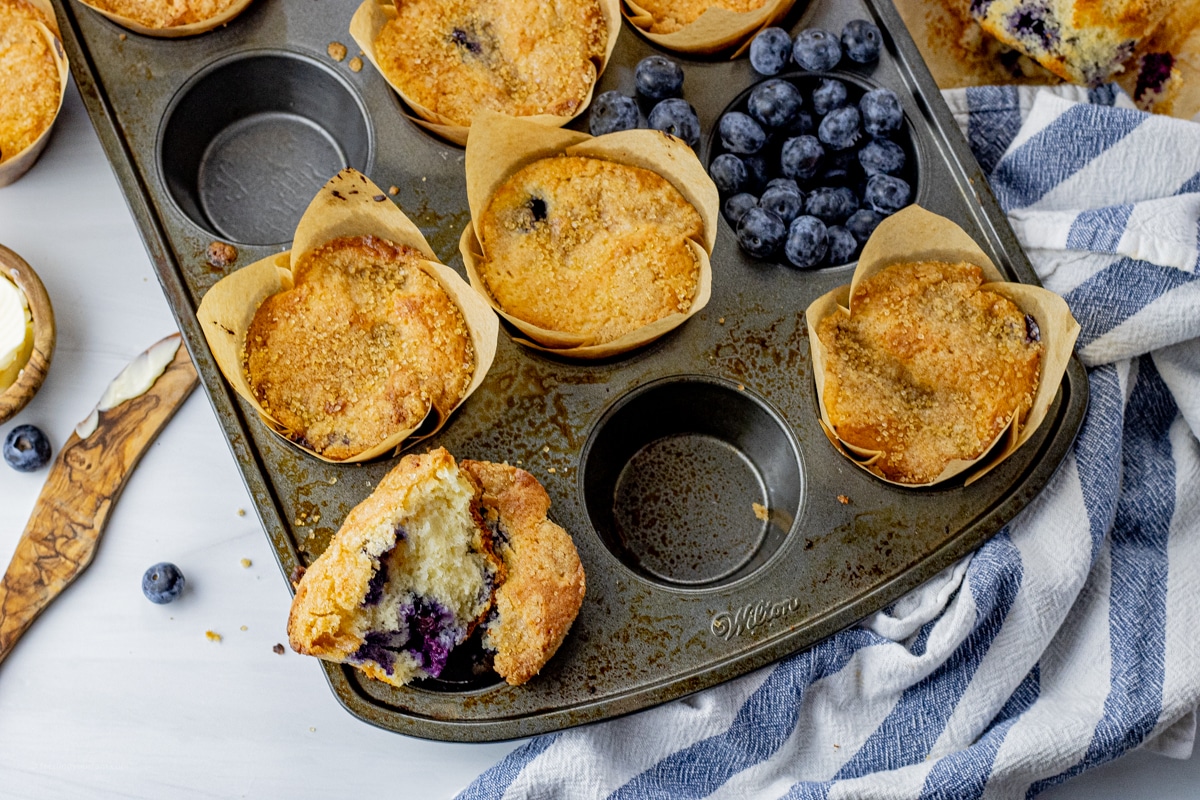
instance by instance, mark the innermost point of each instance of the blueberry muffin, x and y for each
(520, 57)
(671, 15)
(928, 368)
(589, 247)
(1083, 41)
(437, 550)
(362, 347)
(29, 78)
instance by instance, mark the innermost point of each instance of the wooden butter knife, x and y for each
(83, 485)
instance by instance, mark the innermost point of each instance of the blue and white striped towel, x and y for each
(1071, 636)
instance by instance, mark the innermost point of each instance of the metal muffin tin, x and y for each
(653, 460)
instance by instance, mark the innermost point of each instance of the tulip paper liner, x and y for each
(19, 164)
(348, 205)
(507, 144)
(173, 31)
(373, 15)
(914, 234)
(714, 30)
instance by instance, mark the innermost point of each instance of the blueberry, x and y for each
(728, 173)
(770, 51)
(676, 117)
(784, 183)
(782, 202)
(840, 129)
(740, 133)
(758, 172)
(862, 224)
(803, 125)
(800, 157)
(737, 206)
(832, 205)
(807, 241)
(162, 583)
(775, 103)
(817, 50)
(887, 194)
(840, 168)
(842, 245)
(760, 233)
(881, 156)
(861, 41)
(658, 78)
(828, 95)
(881, 112)
(26, 448)
(612, 112)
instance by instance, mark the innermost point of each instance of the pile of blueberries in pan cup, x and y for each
(807, 163)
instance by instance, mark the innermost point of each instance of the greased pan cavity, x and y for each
(718, 527)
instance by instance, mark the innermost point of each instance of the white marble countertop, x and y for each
(109, 695)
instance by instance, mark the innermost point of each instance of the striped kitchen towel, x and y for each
(1070, 637)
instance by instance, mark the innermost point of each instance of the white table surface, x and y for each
(110, 695)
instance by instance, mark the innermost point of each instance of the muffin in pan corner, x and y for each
(704, 26)
(33, 80)
(929, 364)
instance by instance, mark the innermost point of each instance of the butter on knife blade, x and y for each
(85, 481)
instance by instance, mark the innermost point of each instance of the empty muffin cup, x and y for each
(249, 140)
(692, 482)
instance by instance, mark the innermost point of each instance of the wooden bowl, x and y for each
(14, 398)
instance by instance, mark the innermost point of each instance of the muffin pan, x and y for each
(718, 527)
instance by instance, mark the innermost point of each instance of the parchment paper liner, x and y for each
(18, 165)
(372, 15)
(175, 31)
(914, 234)
(506, 144)
(348, 205)
(715, 30)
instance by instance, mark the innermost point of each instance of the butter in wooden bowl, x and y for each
(589, 246)
(929, 364)
(27, 333)
(356, 342)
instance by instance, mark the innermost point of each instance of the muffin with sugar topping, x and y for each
(929, 368)
(589, 247)
(448, 59)
(32, 75)
(671, 16)
(361, 347)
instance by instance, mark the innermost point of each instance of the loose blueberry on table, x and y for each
(839, 148)
(26, 448)
(163, 583)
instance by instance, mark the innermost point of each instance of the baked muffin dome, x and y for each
(159, 14)
(518, 57)
(586, 246)
(672, 15)
(928, 368)
(29, 78)
(361, 347)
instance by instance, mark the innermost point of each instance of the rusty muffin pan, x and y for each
(718, 527)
